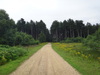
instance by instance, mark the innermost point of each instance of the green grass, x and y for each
(12, 65)
(84, 66)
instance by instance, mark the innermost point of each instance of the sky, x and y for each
(50, 10)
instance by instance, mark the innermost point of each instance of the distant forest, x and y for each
(12, 33)
(71, 29)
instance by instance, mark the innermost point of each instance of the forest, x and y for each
(71, 29)
(23, 33)
(12, 33)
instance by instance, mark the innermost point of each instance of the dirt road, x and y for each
(45, 62)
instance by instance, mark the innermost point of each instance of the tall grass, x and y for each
(84, 63)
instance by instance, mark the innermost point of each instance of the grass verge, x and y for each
(84, 65)
(12, 65)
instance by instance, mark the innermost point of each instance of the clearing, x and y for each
(45, 62)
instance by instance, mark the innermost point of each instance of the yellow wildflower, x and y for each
(83, 55)
(98, 58)
(78, 53)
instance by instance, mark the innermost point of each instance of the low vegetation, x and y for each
(75, 53)
(84, 56)
(13, 64)
(8, 53)
(93, 41)
(73, 40)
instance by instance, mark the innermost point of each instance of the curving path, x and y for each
(45, 62)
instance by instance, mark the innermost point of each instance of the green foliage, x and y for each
(21, 25)
(3, 60)
(13, 37)
(24, 39)
(70, 29)
(42, 37)
(37, 41)
(13, 65)
(3, 14)
(74, 55)
(33, 28)
(5, 23)
(9, 34)
(73, 40)
(9, 37)
(8, 53)
(93, 41)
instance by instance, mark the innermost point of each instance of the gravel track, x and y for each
(45, 62)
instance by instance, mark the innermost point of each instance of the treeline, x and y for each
(27, 33)
(34, 28)
(71, 29)
(22, 32)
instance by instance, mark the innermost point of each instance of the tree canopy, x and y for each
(71, 29)
(12, 33)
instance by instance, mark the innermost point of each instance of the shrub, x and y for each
(24, 39)
(73, 40)
(10, 53)
(3, 60)
(93, 41)
(17, 38)
(37, 42)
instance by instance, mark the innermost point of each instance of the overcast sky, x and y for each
(50, 10)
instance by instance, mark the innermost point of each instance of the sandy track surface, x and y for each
(45, 62)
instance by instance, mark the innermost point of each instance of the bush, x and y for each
(10, 53)
(24, 39)
(17, 38)
(73, 40)
(37, 42)
(93, 41)
(3, 60)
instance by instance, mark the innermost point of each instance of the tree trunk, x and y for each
(56, 35)
(81, 33)
(88, 32)
(31, 31)
(73, 34)
(70, 33)
(78, 33)
(65, 33)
